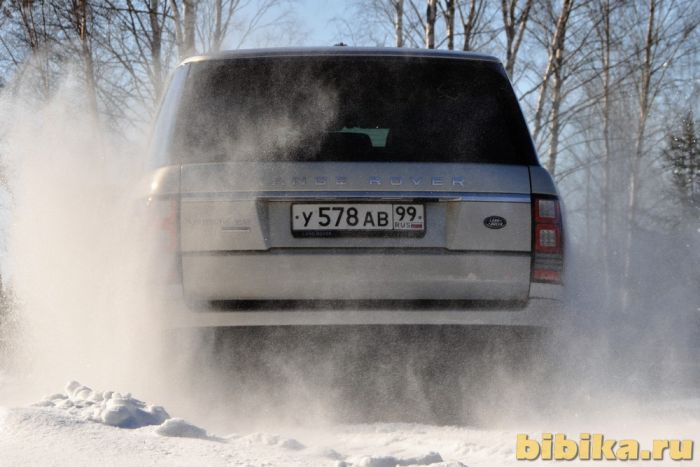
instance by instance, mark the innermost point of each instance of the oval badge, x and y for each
(495, 222)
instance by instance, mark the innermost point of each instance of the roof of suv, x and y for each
(343, 51)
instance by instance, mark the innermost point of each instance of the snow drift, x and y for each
(118, 410)
(80, 425)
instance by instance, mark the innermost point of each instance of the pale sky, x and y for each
(318, 15)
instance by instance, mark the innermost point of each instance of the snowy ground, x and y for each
(80, 426)
(85, 427)
(40, 436)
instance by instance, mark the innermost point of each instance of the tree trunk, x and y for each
(156, 44)
(217, 36)
(431, 17)
(190, 23)
(398, 22)
(30, 28)
(558, 80)
(555, 124)
(468, 25)
(554, 61)
(177, 20)
(644, 107)
(607, 176)
(514, 28)
(450, 23)
(81, 13)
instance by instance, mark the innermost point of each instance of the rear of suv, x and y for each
(387, 177)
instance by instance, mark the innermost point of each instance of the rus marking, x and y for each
(416, 180)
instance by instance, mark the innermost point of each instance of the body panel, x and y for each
(230, 209)
(233, 175)
(315, 274)
(213, 178)
(538, 312)
(260, 224)
(542, 182)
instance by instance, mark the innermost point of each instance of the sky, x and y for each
(318, 16)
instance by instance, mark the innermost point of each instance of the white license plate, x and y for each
(358, 218)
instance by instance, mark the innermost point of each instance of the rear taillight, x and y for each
(547, 240)
(164, 217)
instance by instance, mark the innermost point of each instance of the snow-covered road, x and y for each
(80, 426)
(48, 436)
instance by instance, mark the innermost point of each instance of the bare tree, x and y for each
(470, 20)
(33, 36)
(189, 22)
(398, 21)
(668, 26)
(185, 18)
(555, 59)
(81, 13)
(137, 44)
(605, 38)
(514, 26)
(558, 51)
(155, 41)
(375, 21)
(240, 20)
(215, 18)
(430, 20)
(178, 27)
(448, 12)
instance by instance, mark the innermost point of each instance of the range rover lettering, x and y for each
(343, 174)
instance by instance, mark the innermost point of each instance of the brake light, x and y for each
(547, 240)
(164, 214)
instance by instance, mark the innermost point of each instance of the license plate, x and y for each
(358, 219)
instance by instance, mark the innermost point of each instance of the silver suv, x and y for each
(392, 178)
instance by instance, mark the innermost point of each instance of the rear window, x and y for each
(379, 109)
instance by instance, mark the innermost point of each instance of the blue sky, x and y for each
(318, 15)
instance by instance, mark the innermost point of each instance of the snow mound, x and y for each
(107, 407)
(328, 453)
(274, 440)
(431, 459)
(179, 428)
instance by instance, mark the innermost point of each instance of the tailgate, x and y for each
(477, 216)
(244, 206)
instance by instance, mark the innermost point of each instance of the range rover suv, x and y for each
(385, 177)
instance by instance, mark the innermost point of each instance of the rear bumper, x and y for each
(352, 274)
(492, 279)
(538, 312)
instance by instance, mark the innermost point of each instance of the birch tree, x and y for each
(470, 14)
(558, 51)
(515, 18)
(430, 20)
(448, 12)
(398, 21)
(27, 32)
(81, 15)
(555, 57)
(662, 41)
(604, 34)
(185, 23)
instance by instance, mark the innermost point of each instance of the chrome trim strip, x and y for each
(351, 195)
